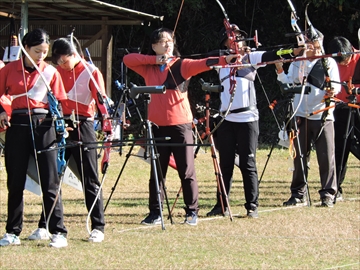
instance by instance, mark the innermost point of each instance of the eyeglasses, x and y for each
(163, 42)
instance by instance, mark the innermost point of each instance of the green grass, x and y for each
(282, 238)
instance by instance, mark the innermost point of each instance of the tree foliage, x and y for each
(199, 24)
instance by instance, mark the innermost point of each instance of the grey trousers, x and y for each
(309, 131)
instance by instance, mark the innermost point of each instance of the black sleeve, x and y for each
(275, 55)
(269, 56)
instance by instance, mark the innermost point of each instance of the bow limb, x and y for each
(294, 18)
(234, 46)
(178, 17)
(301, 42)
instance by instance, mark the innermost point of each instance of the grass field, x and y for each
(281, 238)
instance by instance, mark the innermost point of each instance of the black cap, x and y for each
(223, 34)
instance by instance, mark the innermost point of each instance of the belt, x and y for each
(245, 109)
(80, 118)
(32, 111)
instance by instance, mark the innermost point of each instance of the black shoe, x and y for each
(217, 211)
(327, 202)
(252, 213)
(293, 201)
(152, 219)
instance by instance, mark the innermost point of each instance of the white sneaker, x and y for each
(58, 241)
(39, 234)
(96, 236)
(9, 239)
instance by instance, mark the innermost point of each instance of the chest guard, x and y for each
(80, 92)
(248, 73)
(39, 91)
(174, 79)
(316, 76)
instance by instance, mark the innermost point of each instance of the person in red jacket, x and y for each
(82, 85)
(31, 129)
(349, 69)
(171, 114)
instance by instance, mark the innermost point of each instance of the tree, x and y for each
(199, 24)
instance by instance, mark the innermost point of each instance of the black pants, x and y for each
(19, 146)
(184, 158)
(241, 138)
(86, 162)
(341, 116)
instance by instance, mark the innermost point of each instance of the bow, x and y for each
(231, 35)
(301, 42)
(106, 127)
(106, 122)
(56, 116)
(294, 18)
(324, 61)
(59, 128)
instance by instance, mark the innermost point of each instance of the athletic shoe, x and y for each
(327, 202)
(39, 234)
(217, 211)
(9, 239)
(339, 197)
(96, 236)
(58, 241)
(152, 219)
(191, 218)
(295, 202)
(252, 213)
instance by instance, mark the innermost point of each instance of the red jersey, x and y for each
(347, 71)
(172, 107)
(81, 90)
(12, 83)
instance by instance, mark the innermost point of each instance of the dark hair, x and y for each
(63, 46)
(157, 35)
(340, 44)
(223, 35)
(36, 37)
(313, 34)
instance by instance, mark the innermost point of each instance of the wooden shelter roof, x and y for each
(89, 12)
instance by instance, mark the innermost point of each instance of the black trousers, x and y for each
(184, 158)
(86, 162)
(341, 116)
(241, 138)
(19, 146)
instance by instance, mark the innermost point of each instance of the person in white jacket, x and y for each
(322, 76)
